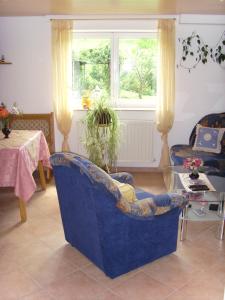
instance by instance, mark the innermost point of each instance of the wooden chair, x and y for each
(44, 122)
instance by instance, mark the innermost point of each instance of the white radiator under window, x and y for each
(136, 147)
(136, 143)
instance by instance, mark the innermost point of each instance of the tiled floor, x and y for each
(36, 262)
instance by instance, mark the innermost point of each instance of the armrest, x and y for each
(123, 177)
(152, 206)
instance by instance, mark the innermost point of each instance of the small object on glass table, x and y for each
(198, 187)
(199, 212)
(213, 207)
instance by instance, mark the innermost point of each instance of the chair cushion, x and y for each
(127, 191)
(148, 205)
(208, 139)
(123, 177)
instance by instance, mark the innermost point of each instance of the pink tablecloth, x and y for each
(19, 156)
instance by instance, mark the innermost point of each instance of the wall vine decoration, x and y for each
(195, 50)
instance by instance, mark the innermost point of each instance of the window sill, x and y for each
(123, 109)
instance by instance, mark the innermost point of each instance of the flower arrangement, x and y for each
(193, 164)
(5, 114)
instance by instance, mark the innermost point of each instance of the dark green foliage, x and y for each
(102, 134)
(193, 46)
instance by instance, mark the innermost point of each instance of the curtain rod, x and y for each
(120, 18)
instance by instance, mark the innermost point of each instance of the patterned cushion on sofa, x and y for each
(208, 139)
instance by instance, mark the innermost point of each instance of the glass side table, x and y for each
(202, 205)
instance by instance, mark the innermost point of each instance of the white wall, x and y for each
(26, 42)
(201, 91)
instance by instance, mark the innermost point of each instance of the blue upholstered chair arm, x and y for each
(123, 177)
(149, 205)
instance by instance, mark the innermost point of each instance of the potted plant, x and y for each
(102, 134)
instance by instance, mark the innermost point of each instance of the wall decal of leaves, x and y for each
(195, 50)
(218, 52)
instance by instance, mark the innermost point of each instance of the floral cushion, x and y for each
(127, 191)
(152, 206)
(208, 139)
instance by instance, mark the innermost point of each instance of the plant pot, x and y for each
(6, 131)
(103, 118)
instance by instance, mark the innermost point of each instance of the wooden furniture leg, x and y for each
(23, 212)
(48, 175)
(42, 175)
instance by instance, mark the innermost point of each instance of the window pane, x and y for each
(91, 67)
(137, 68)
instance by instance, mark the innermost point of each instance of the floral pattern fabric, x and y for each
(150, 206)
(19, 156)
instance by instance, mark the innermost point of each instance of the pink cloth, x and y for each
(19, 156)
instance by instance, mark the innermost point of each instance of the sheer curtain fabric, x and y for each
(166, 85)
(62, 76)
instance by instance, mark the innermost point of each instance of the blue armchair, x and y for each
(94, 222)
(179, 152)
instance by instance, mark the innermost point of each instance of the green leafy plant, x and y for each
(194, 51)
(102, 133)
(218, 54)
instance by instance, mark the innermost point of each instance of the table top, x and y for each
(171, 174)
(19, 156)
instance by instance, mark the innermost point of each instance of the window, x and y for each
(119, 65)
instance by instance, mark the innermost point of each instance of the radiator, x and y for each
(136, 143)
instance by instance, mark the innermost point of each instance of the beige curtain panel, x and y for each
(166, 85)
(62, 76)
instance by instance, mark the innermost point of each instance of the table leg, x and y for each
(23, 212)
(183, 225)
(222, 213)
(42, 175)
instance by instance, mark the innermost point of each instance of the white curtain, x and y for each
(166, 85)
(62, 76)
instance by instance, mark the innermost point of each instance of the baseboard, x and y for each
(137, 169)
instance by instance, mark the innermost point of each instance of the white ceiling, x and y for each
(74, 7)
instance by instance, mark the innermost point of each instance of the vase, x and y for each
(194, 175)
(6, 131)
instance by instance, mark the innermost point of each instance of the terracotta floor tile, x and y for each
(6, 263)
(47, 269)
(54, 240)
(141, 286)
(201, 288)
(196, 255)
(40, 295)
(108, 295)
(77, 286)
(171, 270)
(43, 226)
(100, 276)
(16, 284)
(73, 255)
(26, 253)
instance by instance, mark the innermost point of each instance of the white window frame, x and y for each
(114, 36)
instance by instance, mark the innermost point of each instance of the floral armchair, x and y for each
(115, 234)
(179, 152)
